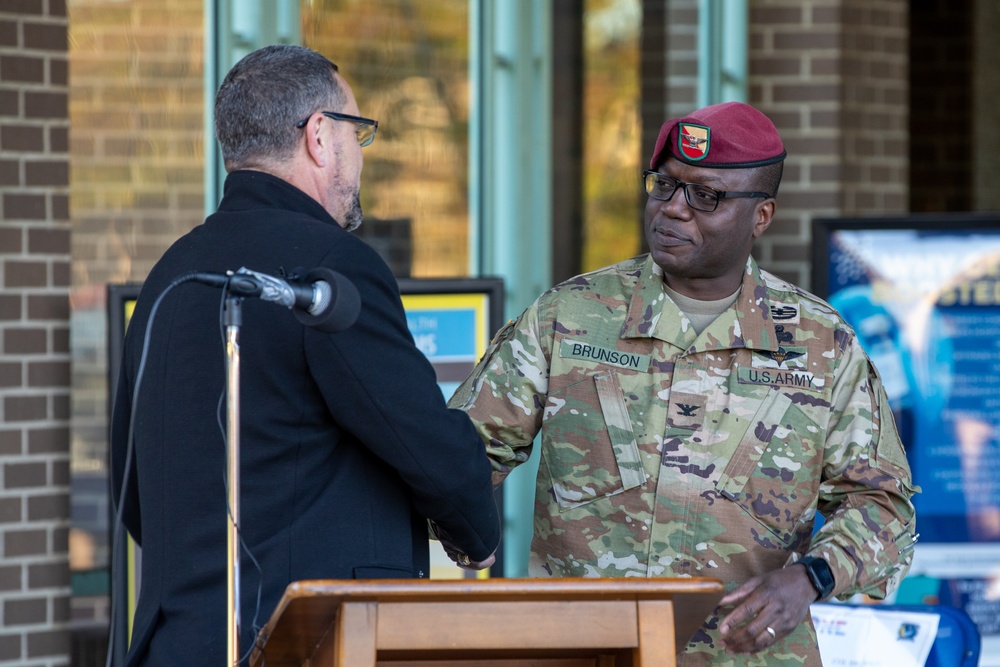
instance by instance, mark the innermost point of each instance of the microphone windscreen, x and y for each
(322, 297)
(344, 303)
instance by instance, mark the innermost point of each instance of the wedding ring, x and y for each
(771, 632)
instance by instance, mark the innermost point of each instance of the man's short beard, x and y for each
(354, 216)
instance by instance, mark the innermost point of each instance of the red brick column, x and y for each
(34, 334)
(832, 75)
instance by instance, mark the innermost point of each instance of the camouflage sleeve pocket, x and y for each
(469, 390)
(590, 449)
(774, 474)
(890, 455)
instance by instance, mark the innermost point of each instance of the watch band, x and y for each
(820, 575)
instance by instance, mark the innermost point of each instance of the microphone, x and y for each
(324, 299)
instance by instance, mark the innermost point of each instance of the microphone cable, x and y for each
(116, 573)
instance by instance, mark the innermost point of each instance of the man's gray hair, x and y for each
(262, 98)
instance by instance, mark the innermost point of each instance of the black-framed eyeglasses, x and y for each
(699, 197)
(365, 127)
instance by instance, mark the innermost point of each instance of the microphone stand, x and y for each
(233, 318)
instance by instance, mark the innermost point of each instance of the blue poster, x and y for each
(926, 307)
(445, 333)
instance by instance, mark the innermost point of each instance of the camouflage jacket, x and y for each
(666, 453)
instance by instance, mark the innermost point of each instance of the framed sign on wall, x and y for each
(923, 295)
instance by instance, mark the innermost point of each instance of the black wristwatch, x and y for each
(820, 575)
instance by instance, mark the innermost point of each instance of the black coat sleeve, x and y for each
(382, 389)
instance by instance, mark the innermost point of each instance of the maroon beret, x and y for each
(731, 135)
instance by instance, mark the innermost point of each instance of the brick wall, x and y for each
(795, 76)
(34, 334)
(832, 75)
(875, 89)
(682, 59)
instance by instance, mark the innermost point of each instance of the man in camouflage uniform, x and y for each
(696, 412)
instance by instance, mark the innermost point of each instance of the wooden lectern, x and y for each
(485, 623)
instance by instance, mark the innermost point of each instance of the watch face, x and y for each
(819, 574)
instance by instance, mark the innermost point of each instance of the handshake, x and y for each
(457, 555)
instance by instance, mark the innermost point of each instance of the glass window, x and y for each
(136, 184)
(408, 65)
(612, 156)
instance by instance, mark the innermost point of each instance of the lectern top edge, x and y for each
(498, 589)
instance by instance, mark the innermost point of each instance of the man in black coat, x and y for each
(347, 448)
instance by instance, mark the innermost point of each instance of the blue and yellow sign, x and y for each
(452, 330)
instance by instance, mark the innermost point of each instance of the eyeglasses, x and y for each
(366, 127)
(699, 197)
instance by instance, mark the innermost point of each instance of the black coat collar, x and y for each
(248, 189)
